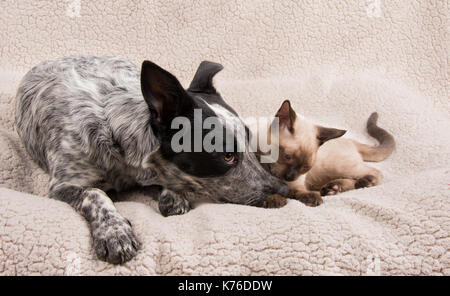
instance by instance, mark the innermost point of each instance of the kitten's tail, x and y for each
(386, 140)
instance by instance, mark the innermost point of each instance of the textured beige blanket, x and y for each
(337, 61)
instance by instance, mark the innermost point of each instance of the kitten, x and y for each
(330, 166)
(298, 142)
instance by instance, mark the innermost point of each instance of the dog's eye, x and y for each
(229, 157)
(287, 156)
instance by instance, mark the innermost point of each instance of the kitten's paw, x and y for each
(312, 199)
(366, 181)
(331, 188)
(171, 203)
(275, 201)
(114, 240)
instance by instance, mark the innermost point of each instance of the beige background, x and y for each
(337, 61)
(408, 42)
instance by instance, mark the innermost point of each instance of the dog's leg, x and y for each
(113, 238)
(171, 203)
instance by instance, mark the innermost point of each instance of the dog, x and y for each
(96, 124)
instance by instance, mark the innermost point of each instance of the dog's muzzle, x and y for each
(284, 190)
(280, 188)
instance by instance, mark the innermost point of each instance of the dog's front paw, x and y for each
(114, 240)
(312, 198)
(275, 201)
(171, 203)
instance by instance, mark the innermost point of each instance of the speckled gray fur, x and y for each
(83, 119)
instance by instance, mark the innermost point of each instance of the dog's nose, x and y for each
(276, 187)
(284, 190)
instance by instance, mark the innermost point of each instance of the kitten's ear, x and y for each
(202, 81)
(325, 134)
(163, 93)
(286, 116)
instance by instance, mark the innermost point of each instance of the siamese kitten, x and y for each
(330, 166)
(299, 141)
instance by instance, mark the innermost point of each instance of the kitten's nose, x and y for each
(290, 176)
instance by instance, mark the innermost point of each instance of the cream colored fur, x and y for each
(336, 166)
(339, 159)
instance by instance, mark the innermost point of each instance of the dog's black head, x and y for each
(224, 170)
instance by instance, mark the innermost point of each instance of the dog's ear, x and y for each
(163, 93)
(286, 116)
(325, 134)
(202, 81)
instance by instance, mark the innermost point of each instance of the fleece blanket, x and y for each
(337, 61)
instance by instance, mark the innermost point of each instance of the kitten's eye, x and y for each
(228, 157)
(287, 156)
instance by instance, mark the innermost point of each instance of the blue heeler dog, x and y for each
(97, 124)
